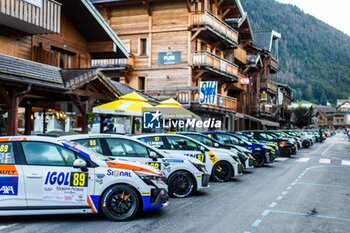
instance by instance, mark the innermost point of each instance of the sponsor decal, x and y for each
(117, 173)
(129, 167)
(173, 161)
(200, 157)
(156, 165)
(65, 186)
(8, 180)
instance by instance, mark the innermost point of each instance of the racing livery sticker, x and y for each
(65, 186)
(155, 165)
(8, 180)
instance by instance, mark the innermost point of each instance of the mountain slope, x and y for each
(314, 57)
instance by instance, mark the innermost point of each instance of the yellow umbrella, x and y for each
(128, 105)
(170, 108)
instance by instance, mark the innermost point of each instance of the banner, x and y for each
(208, 92)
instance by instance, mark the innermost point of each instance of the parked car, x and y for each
(45, 175)
(261, 153)
(221, 165)
(184, 175)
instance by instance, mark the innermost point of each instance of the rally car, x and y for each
(221, 166)
(246, 159)
(45, 175)
(184, 175)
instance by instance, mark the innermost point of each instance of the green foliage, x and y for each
(314, 57)
(303, 116)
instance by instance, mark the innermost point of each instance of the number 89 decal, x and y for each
(79, 179)
(155, 165)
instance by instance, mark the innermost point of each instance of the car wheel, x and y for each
(259, 160)
(288, 152)
(120, 203)
(306, 144)
(222, 171)
(180, 184)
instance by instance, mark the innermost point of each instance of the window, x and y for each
(6, 153)
(143, 47)
(92, 144)
(178, 143)
(156, 142)
(203, 139)
(43, 153)
(226, 139)
(64, 58)
(142, 83)
(127, 148)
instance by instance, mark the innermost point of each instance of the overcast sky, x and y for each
(335, 13)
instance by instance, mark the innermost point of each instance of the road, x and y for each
(309, 192)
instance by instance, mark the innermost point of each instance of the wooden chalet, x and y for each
(46, 53)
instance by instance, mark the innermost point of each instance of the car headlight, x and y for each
(235, 158)
(282, 144)
(200, 167)
(148, 178)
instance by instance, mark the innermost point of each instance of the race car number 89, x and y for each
(4, 148)
(79, 179)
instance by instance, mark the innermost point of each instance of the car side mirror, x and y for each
(202, 149)
(80, 163)
(216, 145)
(153, 155)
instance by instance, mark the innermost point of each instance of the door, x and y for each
(132, 150)
(12, 189)
(51, 180)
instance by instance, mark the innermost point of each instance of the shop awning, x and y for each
(130, 104)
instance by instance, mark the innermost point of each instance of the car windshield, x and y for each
(76, 146)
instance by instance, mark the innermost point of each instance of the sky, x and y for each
(335, 12)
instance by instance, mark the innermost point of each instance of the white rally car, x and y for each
(43, 175)
(220, 165)
(184, 175)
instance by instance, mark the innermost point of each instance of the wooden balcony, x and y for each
(115, 63)
(274, 65)
(266, 109)
(206, 21)
(240, 55)
(38, 18)
(271, 86)
(191, 99)
(215, 64)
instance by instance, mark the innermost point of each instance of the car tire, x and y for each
(259, 159)
(306, 144)
(180, 184)
(222, 171)
(120, 203)
(288, 152)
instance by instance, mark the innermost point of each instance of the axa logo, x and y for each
(151, 120)
(7, 190)
(59, 178)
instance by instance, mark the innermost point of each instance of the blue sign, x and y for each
(151, 120)
(9, 186)
(208, 92)
(169, 58)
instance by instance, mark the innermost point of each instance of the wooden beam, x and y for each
(5, 95)
(196, 34)
(197, 76)
(225, 13)
(87, 93)
(148, 7)
(102, 47)
(220, 2)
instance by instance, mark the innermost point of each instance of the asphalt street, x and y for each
(309, 192)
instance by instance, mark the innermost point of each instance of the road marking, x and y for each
(284, 193)
(311, 215)
(273, 204)
(279, 198)
(256, 223)
(292, 184)
(303, 160)
(7, 226)
(325, 151)
(265, 213)
(326, 185)
(325, 161)
(296, 180)
(281, 159)
(247, 232)
(345, 162)
(289, 187)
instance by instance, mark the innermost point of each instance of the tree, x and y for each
(303, 116)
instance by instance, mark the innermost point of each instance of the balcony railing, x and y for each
(274, 64)
(266, 108)
(33, 18)
(113, 63)
(215, 63)
(222, 29)
(241, 55)
(190, 98)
